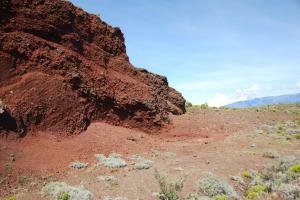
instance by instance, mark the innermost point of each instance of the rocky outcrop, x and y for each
(62, 68)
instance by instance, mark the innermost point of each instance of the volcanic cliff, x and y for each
(62, 68)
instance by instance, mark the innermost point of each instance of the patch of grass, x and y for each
(255, 191)
(169, 191)
(65, 196)
(11, 198)
(9, 167)
(221, 197)
(246, 174)
(297, 136)
(295, 168)
(25, 179)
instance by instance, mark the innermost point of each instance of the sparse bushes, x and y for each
(213, 186)
(285, 131)
(60, 190)
(281, 178)
(169, 191)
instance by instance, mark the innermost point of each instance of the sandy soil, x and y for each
(221, 141)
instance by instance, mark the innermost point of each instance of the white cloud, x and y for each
(220, 100)
(240, 95)
(248, 93)
(298, 84)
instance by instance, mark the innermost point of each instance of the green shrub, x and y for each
(221, 197)
(297, 136)
(255, 191)
(295, 168)
(169, 191)
(214, 186)
(271, 154)
(11, 198)
(204, 106)
(246, 174)
(65, 196)
(188, 104)
(57, 190)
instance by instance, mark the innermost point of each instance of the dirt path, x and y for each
(223, 142)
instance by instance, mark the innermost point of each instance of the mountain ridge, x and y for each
(285, 99)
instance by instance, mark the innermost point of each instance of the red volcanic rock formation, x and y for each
(62, 68)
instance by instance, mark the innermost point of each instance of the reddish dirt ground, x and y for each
(201, 139)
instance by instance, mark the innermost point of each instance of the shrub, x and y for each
(221, 197)
(65, 196)
(188, 104)
(246, 174)
(204, 106)
(56, 190)
(295, 168)
(271, 154)
(297, 136)
(143, 164)
(255, 191)
(107, 178)
(289, 191)
(169, 191)
(213, 186)
(11, 198)
(114, 160)
(78, 165)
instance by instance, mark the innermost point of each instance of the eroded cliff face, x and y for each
(62, 68)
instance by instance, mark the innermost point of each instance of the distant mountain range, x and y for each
(289, 98)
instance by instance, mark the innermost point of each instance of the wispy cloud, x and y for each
(220, 100)
(248, 93)
(239, 95)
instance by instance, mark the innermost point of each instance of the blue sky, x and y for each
(215, 51)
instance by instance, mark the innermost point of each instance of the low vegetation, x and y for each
(213, 186)
(169, 191)
(11, 198)
(114, 160)
(78, 165)
(287, 131)
(63, 191)
(280, 179)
